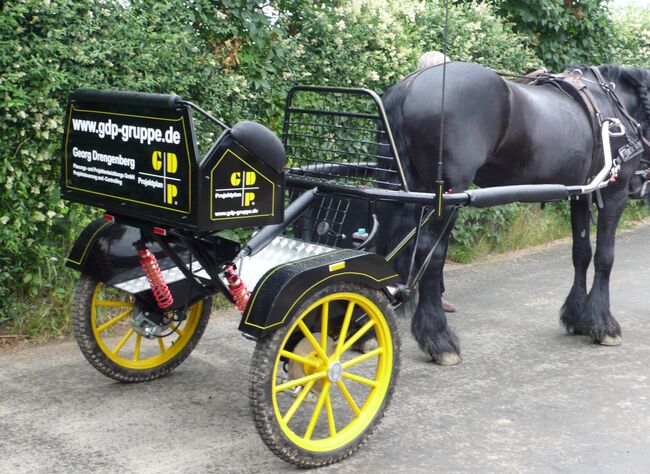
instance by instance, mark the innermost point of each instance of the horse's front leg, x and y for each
(597, 320)
(429, 323)
(572, 310)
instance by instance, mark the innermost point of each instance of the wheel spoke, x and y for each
(357, 335)
(344, 329)
(299, 358)
(161, 344)
(310, 337)
(120, 344)
(178, 331)
(348, 397)
(362, 357)
(115, 304)
(300, 381)
(136, 351)
(317, 410)
(325, 315)
(358, 378)
(115, 320)
(330, 415)
(298, 401)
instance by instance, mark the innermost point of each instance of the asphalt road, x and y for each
(527, 397)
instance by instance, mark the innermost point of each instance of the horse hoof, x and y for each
(448, 358)
(611, 341)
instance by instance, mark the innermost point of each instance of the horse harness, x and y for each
(573, 84)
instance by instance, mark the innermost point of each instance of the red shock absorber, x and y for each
(159, 287)
(237, 289)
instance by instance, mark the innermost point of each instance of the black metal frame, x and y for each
(317, 168)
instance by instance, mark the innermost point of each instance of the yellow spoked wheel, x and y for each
(103, 325)
(315, 396)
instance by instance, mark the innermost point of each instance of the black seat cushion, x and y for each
(262, 142)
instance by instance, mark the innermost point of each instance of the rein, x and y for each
(608, 89)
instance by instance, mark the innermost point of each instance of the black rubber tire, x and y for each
(262, 367)
(83, 333)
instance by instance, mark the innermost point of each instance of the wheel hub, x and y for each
(153, 324)
(335, 372)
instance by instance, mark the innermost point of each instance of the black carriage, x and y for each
(317, 286)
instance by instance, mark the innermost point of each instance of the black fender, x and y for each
(104, 251)
(284, 287)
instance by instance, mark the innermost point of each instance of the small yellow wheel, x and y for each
(315, 398)
(102, 322)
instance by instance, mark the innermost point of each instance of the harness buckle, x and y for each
(631, 150)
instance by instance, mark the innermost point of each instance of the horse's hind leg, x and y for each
(572, 310)
(597, 320)
(429, 323)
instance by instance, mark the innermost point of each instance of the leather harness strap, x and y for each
(573, 85)
(632, 148)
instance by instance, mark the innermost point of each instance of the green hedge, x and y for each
(230, 56)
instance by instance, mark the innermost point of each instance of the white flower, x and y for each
(373, 76)
(4, 220)
(51, 214)
(38, 216)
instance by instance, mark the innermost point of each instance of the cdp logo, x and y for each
(167, 163)
(245, 181)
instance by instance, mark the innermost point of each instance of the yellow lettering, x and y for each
(172, 163)
(235, 178)
(251, 177)
(156, 160)
(248, 198)
(172, 192)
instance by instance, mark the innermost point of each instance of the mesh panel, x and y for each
(339, 136)
(322, 223)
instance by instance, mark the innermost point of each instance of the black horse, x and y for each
(500, 133)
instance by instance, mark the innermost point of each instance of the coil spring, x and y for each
(237, 288)
(159, 288)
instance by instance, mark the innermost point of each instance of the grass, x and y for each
(42, 317)
(45, 316)
(528, 226)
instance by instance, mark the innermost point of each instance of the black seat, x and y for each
(262, 142)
